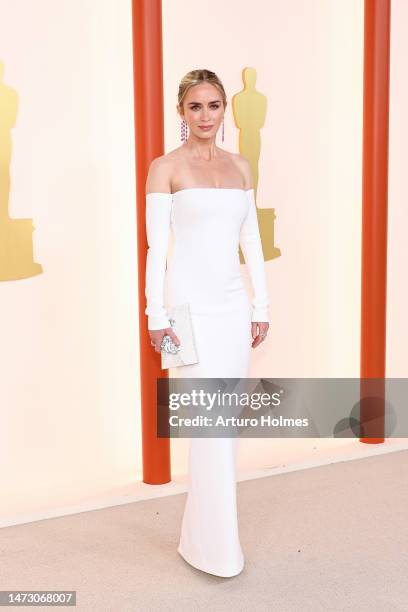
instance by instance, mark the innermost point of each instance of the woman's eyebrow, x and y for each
(212, 102)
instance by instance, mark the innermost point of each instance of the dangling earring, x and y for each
(223, 130)
(184, 131)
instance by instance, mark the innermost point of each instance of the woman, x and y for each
(204, 194)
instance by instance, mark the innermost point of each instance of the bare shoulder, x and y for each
(160, 174)
(245, 167)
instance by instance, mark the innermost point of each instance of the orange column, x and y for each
(374, 216)
(149, 143)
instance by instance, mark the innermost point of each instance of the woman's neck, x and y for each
(202, 150)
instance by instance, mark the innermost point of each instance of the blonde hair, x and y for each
(194, 77)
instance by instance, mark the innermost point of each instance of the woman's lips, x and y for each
(205, 127)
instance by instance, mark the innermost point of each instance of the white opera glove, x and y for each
(251, 245)
(158, 216)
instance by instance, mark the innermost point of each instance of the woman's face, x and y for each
(203, 110)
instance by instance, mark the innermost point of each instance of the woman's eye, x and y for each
(213, 107)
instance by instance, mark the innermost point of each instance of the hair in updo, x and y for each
(194, 77)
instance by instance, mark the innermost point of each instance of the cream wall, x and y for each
(397, 295)
(308, 57)
(309, 62)
(69, 353)
(69, 337)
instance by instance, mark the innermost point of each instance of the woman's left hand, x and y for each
(259, 335)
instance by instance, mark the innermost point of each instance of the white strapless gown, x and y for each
(208, 225)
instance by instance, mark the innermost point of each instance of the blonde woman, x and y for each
(204, 195)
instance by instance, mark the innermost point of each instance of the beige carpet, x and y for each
(331, 538)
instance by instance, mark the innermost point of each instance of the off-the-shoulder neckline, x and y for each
(200, 188)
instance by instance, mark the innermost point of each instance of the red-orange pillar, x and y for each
(149, 143)
(374, 215)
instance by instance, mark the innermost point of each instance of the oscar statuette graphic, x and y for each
(16, 235)
(249, 110)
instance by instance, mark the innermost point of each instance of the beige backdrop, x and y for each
(70, 397)
(69, 337)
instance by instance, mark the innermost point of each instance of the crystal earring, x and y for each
(223, 130)
(184, 131)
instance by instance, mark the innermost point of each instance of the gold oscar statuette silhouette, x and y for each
(16, 235)
(249, 111)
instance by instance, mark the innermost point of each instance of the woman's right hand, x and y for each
(156, 337)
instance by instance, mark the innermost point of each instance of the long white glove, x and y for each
(158, 215)
(251, 245)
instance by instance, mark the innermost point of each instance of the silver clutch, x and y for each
(182, 325)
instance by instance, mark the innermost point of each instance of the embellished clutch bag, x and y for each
(182, 325)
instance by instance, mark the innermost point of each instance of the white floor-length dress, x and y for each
(208, 225)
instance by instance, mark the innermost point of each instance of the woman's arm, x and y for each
(251, 245)
(158, 214)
